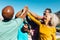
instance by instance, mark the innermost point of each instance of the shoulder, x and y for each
(18, 19)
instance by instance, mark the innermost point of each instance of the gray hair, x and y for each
(54, 19)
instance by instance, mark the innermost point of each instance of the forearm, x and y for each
(35, 15)
(18, 14)
(23, 15)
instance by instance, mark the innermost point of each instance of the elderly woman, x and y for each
(47, 30)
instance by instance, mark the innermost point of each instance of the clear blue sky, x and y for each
(37, 6)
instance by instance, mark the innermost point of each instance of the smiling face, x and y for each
(47, 18)
(26, 26)
(47, 11)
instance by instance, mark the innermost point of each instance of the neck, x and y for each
(6, 20)
(46, 22)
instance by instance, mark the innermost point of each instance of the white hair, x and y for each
(54, 19)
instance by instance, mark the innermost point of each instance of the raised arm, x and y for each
(19, 13)
(33, 19)
(35, 15)
(23, 14)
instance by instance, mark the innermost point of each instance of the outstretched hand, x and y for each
(25, 9)
(22, 14)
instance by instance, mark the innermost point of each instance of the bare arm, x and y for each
(21, 14)
(35, 15)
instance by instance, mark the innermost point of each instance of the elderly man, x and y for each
(9, 26)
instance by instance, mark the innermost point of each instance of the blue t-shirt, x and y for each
(21, 35)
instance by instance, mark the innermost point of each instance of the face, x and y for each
(26, 26)
(47, 18)
(47, 12)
